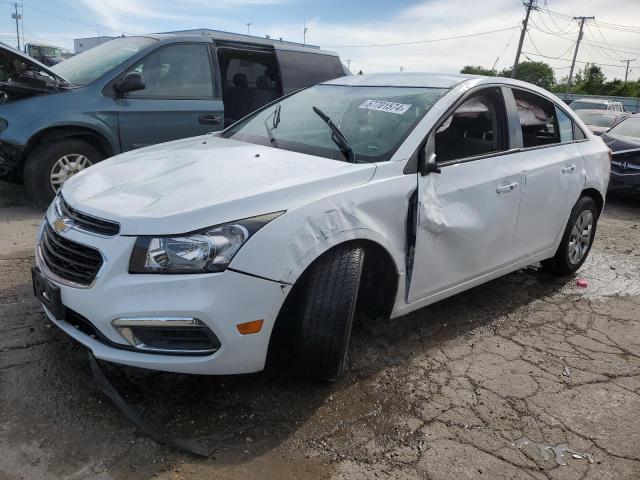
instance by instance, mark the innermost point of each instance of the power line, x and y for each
(559, 57)
(88, 24)
(422, 41)
(577, 61)
(629, 51)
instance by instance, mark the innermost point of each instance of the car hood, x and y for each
(9, 55)
(189, 184)
(618, 143)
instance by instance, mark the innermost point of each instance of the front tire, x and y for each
(577, 239)
(49, 165)
(326, 308)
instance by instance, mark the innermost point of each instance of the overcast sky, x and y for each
(341, 24)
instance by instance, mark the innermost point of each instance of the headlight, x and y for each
(207, 250)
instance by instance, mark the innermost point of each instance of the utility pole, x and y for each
(17, 17)
(248, 27)
(626, 72)
(575, 53)
(349, 65)
(304, 33)
(530, 6)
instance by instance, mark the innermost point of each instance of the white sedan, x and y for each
(375, 194)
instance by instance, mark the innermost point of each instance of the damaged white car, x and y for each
(377, 194)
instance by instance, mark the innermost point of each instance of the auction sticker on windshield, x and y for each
(389, 107)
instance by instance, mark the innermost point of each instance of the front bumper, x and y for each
(220, 300)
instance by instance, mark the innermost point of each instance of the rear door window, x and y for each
(301, 69)
(538, 119)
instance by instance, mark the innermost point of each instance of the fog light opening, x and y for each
(168, 335)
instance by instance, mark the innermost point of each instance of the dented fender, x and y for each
(375, 212)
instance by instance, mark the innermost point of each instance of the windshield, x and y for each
(597, 119)
(95, 62)
(629, 127)
(373, 120)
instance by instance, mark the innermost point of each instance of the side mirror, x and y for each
(132, 82)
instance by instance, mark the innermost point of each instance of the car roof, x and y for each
(595, 100)
(429, 80)
(249, 41)
(601, 112)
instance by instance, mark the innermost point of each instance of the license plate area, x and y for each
(47, 293)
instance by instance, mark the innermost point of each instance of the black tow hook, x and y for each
(102, 382)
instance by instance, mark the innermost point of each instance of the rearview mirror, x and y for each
(132, 82)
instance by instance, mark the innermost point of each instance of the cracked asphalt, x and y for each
(526, 377)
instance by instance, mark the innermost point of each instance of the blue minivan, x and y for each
(136, 91)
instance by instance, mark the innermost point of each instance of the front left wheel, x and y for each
(51, 164)
(326, 307)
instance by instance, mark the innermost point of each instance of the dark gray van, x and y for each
(136, 91)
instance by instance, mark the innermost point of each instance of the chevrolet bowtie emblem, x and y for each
(62, 225)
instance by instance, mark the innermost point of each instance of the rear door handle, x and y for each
(569, 169)
(507, 188)
(210, 119)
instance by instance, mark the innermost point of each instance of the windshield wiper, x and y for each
(337, 136)
(275, 115)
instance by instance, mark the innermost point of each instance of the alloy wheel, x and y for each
(66, 167)
(580, 238)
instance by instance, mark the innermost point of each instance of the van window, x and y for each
(176, 71)
(301, 69)
(472, 129)
(538, 119)
(578, 104)
(250, 80)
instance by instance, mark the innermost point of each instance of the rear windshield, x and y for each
(374, 120)
(588, 105)
(629, 127)
(91, 64)
(597, 119)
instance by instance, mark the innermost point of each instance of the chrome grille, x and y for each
(69, 260)
(88, 222)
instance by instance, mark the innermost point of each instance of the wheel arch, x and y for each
(90, 135)
(596, 196)
(376, 297)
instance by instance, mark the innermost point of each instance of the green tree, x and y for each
(591, 81)
(538, 73)
(478, 70)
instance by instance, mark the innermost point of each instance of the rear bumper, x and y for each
(624, 183)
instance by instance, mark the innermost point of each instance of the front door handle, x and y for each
(507, 188)
(569, 169)
(210, 119)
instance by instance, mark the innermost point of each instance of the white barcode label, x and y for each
(389, 107)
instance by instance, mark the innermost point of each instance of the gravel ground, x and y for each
(527, 377)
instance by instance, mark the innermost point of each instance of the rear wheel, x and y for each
(326, 307)
(577, 239)
(51, 164)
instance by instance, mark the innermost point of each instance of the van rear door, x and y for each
(301, 69)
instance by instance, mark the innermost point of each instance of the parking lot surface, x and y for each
(528, 376)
